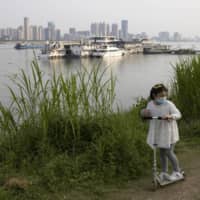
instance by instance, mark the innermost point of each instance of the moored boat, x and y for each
(82, 50)
(25, 45)
(156, 49)
(57, 53)
(108, 51)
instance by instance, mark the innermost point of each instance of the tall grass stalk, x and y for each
(67, 129)
(186, 86)
(83, 95)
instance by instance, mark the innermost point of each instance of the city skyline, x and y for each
(101, 21)
(149, 16)
(28, 31)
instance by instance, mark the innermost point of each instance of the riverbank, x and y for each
(118, 189)
(61, 138)
(188, 152)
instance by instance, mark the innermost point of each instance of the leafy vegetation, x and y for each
(186, 87)
(63, 134)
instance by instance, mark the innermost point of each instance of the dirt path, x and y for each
(189, 189)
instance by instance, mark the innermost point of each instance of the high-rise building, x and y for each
(30, 33)
(58, 35)
(11, 34)
(124, 29)
(144, 35)
(164, 36)
(83, 34)
(72, 34)
(20, 33)
(51, 31)
(34, 33)
(3, 34)
(115, 31)
(72, 31)
(66, 37)
(26, 28)
(46, 34)
(94, 29)
(107, 29)
(102, 29)
(177, 36)
(41, 33)
(140, 36)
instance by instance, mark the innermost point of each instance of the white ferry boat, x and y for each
(104, 40)
(57, 53)
(82, 50)
(108, 51)
(94, 45)
(53, 50)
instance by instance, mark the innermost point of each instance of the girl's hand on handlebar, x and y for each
(167, 117)
(145, 113)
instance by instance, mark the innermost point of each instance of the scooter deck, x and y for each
(163, 183)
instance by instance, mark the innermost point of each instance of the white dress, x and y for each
(163, 133)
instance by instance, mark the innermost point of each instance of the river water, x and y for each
(135, 74)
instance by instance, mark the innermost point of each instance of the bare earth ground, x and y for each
(189, 189)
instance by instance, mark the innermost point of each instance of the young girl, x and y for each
(163, 134)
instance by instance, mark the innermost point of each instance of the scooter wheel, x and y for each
(155, 185)
(183, 172)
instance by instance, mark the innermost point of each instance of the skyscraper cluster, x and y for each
(165, 36)
(27, 31)
(31, 32)
(41, 33)
(99, 29)
(104, 29)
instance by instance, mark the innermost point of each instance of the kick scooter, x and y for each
(156, 178)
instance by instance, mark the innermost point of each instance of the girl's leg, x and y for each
(172, 157)
(163, 160)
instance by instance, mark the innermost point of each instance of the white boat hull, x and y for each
(57, 54)
(108, 54)
(81, 51)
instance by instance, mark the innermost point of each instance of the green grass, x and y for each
(186, 87)
(62, 134)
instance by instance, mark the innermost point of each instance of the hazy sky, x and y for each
(150, 16)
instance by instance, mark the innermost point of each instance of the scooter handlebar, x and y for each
(154, 117)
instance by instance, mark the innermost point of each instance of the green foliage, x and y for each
(186, 87)
(64, 130)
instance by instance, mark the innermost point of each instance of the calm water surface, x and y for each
(135, 73)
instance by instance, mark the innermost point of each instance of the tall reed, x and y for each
(67, 129)
(66, 101)
(186, 86)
